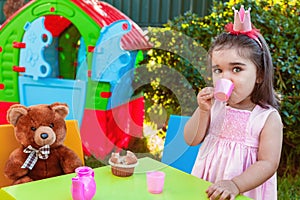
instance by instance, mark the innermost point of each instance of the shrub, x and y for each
(278, 22)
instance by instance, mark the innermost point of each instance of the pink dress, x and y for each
(231, 146)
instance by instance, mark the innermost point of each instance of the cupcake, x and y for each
(123, 166)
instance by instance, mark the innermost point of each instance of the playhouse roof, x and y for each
(104, 14)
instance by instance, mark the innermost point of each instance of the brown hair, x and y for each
(263, 93)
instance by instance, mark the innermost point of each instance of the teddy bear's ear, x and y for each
(61, 108)
(15, 112)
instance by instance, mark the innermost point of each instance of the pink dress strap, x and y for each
(256, 123)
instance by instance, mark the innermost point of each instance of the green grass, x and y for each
(289, 187)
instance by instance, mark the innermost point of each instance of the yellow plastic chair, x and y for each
(8, 143)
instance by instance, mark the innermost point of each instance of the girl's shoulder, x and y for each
(267, 110)
(260, 115)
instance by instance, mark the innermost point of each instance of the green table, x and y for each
(178, 185)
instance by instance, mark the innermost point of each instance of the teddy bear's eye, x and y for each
(33, 128)
(51, 125)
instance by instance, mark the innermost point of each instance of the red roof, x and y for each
(104, 14)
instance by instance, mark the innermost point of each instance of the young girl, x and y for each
(242, 137)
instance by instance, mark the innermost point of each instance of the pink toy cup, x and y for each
(155, 181)
(223, 89)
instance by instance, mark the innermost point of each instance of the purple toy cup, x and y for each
(223, 89)
(155, 181)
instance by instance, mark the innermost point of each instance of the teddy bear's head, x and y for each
(39, 125)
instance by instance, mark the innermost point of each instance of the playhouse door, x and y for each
(39, 84)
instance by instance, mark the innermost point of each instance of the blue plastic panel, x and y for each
(176, 152)
(122, 90)
(110, 61)
(50, 90)
(36, 38)
(114, 65)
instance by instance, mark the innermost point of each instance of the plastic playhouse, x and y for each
(83, 53)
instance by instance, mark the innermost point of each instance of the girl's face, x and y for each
(228, 64)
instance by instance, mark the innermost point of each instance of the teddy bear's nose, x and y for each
(44, 135)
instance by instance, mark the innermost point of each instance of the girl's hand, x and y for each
(221, 190)
(204, 98)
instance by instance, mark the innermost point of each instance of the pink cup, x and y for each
(155, 181)
(223, 89)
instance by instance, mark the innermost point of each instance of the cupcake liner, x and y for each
(122, 170)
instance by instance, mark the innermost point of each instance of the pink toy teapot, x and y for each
(83, 185)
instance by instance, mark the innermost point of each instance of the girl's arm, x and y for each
(196, 127)
(269, 152)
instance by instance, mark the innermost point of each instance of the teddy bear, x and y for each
(41, 131)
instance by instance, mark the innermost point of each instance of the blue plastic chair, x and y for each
(176, 152)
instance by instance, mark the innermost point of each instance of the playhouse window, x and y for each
(52, 50)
